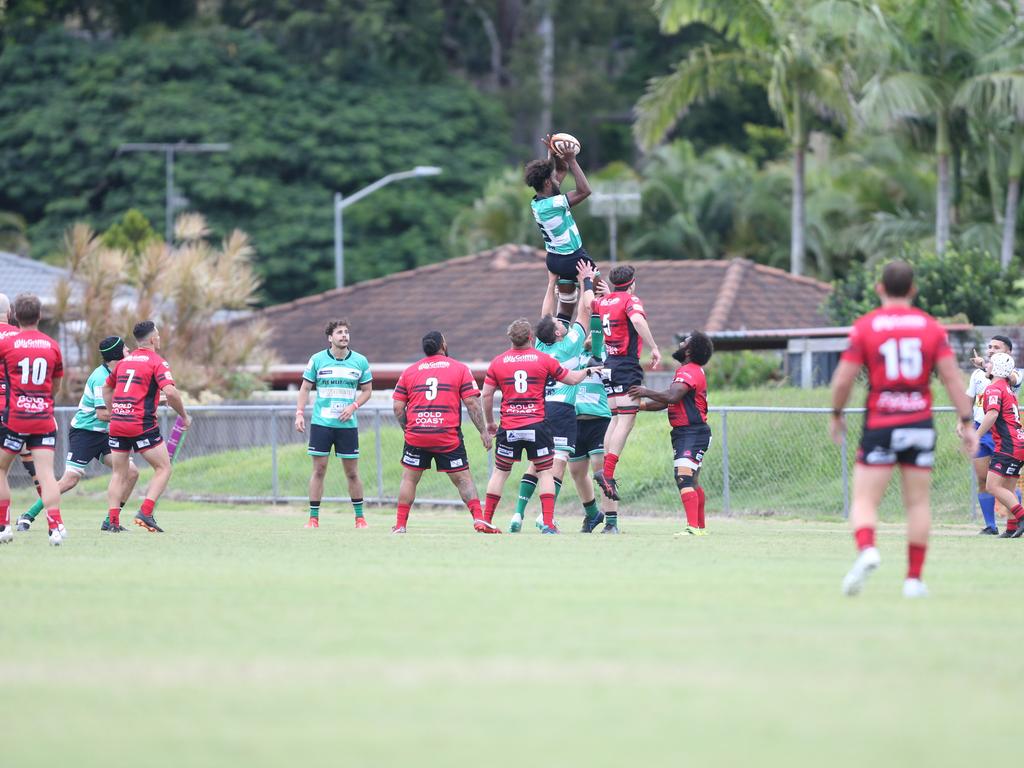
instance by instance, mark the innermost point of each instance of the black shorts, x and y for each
(417, 458)
(344, 441)
(621, 372)
(138, 443)
(589, 437)
(84, 445)
(910, 445)
(1006, 465)
(561, 419)
(564, 264)
(689, 444)
(17, 442)
(535, 439)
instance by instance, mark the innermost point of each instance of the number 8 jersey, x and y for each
(521, 376)
(137, 380)
(30, 361)
(899, 346)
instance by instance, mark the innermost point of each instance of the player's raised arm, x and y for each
(949, 375)
(585, 272)
(547, 307)
(582, 191)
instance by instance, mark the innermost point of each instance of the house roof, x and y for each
(22, 275)
(472, 299)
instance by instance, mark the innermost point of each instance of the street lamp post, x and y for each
(172, 199)
(341, 203)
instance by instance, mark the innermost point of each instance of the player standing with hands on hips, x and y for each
(900, 346)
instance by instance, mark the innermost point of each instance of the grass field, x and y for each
(239, 639)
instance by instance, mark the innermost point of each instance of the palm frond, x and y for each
(998, 93)
(892, 99)
(751, 23)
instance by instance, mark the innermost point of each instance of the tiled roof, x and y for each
(21, 275)
(472, 299)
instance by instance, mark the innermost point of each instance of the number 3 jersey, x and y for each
(137, 380)
(433, 390)
(29, 363)
(521, 375)
(900, 347)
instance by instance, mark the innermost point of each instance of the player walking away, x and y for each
(687, 402)
(1002, 419)
(428, 401)
(625, 327)
(32, 367)
(131, 395)
(564, 342)
(7, 329)
(980, 379)
(343, 383)
(89, 435)
(520, 374)
(552, 212)
(900, 346)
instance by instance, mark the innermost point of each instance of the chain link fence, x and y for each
(762, 461)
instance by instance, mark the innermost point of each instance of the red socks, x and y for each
(491, 504)
(865, 537)
(692, 505)
(915, 560)
(53, 518)
(474, 509)
(1017, 513)
(403, 515)
(547, 509)
(700, 506)
(114, 515)
(147, 506)
(5, 513)
(610, 460)
(1011, 523)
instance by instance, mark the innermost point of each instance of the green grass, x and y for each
(780, 464)
(238, 638)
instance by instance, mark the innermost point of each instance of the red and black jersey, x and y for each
(433, 390)
(5, 330)
(137, 380)
(30, 362)
(1007, 433)
(693, 408)
(900, 347)
(520, 376)
(616, 311)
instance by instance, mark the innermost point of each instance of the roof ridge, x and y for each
(799, 278)
(727, 291)
(36, 263)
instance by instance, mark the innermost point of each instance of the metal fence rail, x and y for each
(763, 460)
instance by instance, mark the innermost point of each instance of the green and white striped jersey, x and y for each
(591, 399)
(561, 235)
(337, 383)
(568, 351)
(92, 397)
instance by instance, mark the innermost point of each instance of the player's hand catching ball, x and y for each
(300, 421)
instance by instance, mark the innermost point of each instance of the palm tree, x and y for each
(781, 45)
(923, 57)
(996, 92)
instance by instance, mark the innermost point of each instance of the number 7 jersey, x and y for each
(900, 347)
(137, 380)
(29, 363)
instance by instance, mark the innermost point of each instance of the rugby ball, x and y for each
(565, 144)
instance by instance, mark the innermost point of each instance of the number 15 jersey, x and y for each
(900, 347)
(137, 380)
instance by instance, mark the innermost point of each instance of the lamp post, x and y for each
(172, 198)
(341, 203)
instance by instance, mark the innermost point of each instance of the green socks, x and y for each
(611, 518)
(591, 509)
(596, 337)
(558, 488)
(527, 486)
(314, 509)
(357, 505)
(35, 510)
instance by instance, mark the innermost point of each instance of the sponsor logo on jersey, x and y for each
(434, 364)
(908, 402)
(32, 344)
(527, 357)
(897, 322)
